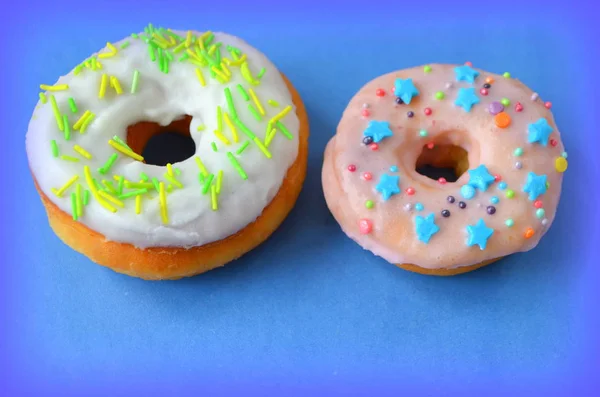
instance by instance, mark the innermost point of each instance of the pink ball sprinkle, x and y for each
(430, 145)
(553, 142)
(351, 168)
(538, 204)
(365, 226)
(468, 64)
(518, 107)
(367, 176)
(427, 111)
(374, 146)
(442, 181)
(483, 91)
(410, 191)
(548, 105)
(380, 92)
(365, 113)
(497, 178)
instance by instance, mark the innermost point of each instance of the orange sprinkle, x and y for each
(502, 120)
(489, 80)
(529, 232)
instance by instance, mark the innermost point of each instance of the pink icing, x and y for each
(392, 235)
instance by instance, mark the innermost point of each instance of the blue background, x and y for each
(308, 310)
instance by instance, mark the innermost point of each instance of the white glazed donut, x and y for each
(245, 123)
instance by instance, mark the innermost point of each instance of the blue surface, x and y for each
(308, 306)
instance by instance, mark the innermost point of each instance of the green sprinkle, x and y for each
(369, 204)
(440, 95)
(200, 178)
(97, 184)
(54, 148)
(136, 80)
(214, 146)
(67, 127)
(509, 222)
(78, 69)
(144, 177)
(273, 103)
(184, 57)
(518, 152)
(564, 154)
(230, 106)
(108, 164)
(207, 183)
(242, 148)
(284, 130)
(69, 158)
(134, 35)
(209, 39)
(237, 165)
(506, 75)
(151, 53)
(540, 212)
(243, 92)
(125, 45)
(133, 193)
(423, 133)
(121, 184)
(244, 129)
(109, 186)
(43, 98)
(86, 197)
(219, 119)
(254, 112)
(156, 184)
(74, 205)
(177, 171)
(72, 105)
(510, 193)
(261, 73)
(505, 101)
(169, 55)
(121, 142)
(426, 68)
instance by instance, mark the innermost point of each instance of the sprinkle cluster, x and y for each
(426, 226)
(165, 49)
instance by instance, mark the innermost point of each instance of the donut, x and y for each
(442, 169)
(245, 123)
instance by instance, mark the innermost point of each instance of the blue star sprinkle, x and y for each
(378, 130)
(479, 234)
(466, 73)
(539, 132)
(480, 178)
(535, 185)
(425, 227)
(388, 186)
(466, 98)
(405, 89)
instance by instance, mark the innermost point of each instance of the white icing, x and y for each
(162, 98)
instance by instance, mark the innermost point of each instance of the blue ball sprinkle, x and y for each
(467, 191)
(393, 168)
(494, 200)
(419, 207)
(502, 185)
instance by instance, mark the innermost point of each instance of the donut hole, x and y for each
(443, 161)
(162, 145)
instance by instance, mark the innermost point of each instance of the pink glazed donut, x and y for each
(495, 135)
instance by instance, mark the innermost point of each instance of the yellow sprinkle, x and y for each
(43, 98)
(188, 39)
(201, 44)
(79, 200)
(212, 49)
(105, 204)
(227, 61)
(219, 181)
(57, 116)
(280, 115)
(222, 138)
(89, 180)
(159, 40)
(112, 53)
(200, 77)
(219, 73)
(273, 103)
(172, 41)
(118, 178)
(213, 198)
(225, 69)
(112, 47)
(163, 203)
(139, 185)
(109, 186)
(98, 65)
(270, 137)
(87, 122)
(110, 198)
(193, 55)
(203, 169)
(125, 151)
(67, 185)
(262, 147)
(79, 122)
(231, 126)
(174, 181)
(114, 83)
(138, 204)
(204, 35)
(200, 128)
(179, 47)
(259, 106)
(238, 62)
(82, 152)
(247, 74)
(58, 87)
(69, 158)
(103, 85)
(170, 169)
